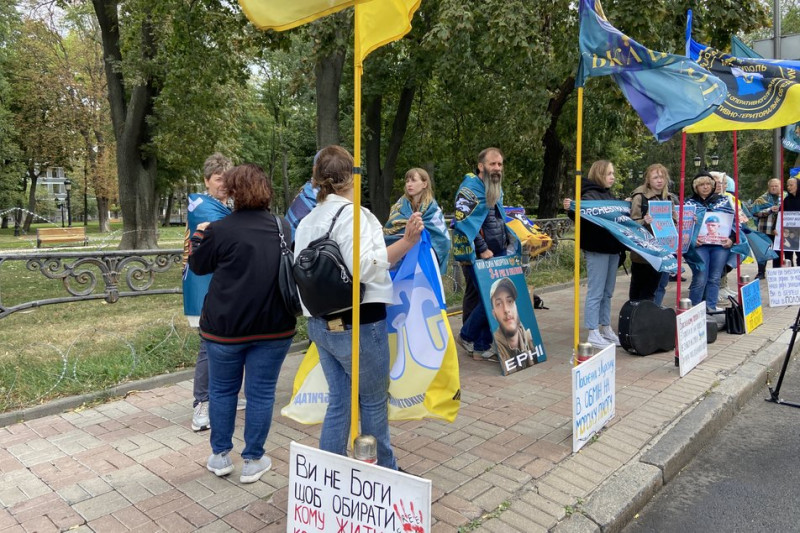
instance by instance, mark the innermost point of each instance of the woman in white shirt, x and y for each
(333, 174)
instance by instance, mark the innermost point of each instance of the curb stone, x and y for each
(614, 504)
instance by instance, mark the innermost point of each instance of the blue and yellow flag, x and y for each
(763, 94)
(378, 22)
(668, 91)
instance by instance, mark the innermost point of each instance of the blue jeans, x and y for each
(661, 290)
(707, 282)
(227, 363)
(200, 389)
(601, 273)
(335, 356)
(475, 328)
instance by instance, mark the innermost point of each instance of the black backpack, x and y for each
(322, 277)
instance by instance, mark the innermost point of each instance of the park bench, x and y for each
(59, 235)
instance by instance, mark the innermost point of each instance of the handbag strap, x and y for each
(335, 217)
(284, 248)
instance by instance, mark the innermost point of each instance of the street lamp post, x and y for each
(698, 162)
(68, 187)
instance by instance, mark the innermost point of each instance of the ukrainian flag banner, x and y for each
(763, 94)
(424, 376)
(379, 21)
(668, 91)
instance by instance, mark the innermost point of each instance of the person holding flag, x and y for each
(601, 251)
(418, 198)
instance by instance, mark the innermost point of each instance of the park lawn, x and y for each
(73, 348)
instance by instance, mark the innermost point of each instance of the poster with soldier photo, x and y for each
(787, 232)
(716, 228)
(505, 296)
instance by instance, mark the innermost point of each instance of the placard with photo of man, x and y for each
(716, 228)
(505, 296)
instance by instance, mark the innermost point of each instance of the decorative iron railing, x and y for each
(94, 275)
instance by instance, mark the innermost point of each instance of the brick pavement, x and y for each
(505, 464)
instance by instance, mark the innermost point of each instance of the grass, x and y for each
(73, 348)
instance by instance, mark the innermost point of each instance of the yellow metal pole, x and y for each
(358, 69)
(577, 269)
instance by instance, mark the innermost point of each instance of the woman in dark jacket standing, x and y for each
(244, 319)
(601, 251)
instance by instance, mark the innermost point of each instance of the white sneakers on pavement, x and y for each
(609, 335)
(597, 340)
(200, 420)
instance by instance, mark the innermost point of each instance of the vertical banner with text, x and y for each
(692, 338)
(751, 306)
(593, 395)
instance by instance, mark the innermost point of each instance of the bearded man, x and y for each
(480, 232)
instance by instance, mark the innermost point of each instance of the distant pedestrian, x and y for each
(765, 210)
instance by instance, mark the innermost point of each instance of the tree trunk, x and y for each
(381, 177)
(553, 174)
(136, 170)
(328, 71)
(102, 214)
(34, 177)
(168, 211)
(4, 222)
(287, 194)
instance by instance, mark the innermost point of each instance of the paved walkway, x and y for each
(505, 464)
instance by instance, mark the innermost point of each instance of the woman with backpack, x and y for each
(332, 333)
(601, 251)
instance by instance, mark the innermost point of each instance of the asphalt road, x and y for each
(748, 480)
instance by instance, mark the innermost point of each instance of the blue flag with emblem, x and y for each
(615, 216)
(668, 91)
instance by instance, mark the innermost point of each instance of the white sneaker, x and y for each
(608, 334)
(200, 420)
(241, 404)
(597, 340)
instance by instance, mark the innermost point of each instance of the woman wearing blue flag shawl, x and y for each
(205, 207)
(706, 276)
(419, 198)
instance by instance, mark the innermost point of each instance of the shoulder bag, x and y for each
(323, 279)
(286, 284)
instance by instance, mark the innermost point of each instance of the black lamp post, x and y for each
(60, 205)
(697, 162)
(68, 187)
(714, 160)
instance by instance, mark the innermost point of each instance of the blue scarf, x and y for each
(433, 219)
(202, 208)
(471, 211)
(302, 205)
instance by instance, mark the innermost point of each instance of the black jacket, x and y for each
(791, 202)
(492, 235)
(243, 303)
(593, 237)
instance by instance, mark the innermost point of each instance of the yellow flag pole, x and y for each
(577, 268)
(358, 70)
